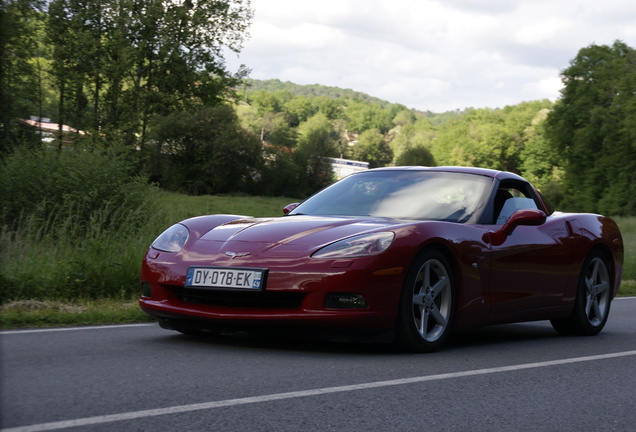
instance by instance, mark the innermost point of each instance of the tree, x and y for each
(205, 152)
(540, 160)
(118, 63)
(299, 109)
(275, 130)
(20, 96)
(330, 107)
(265, 102)
(421, 133)
(404, 117)
(414, 156)
(372, 148)
(317, 139)
(362, 116)
(592, 128)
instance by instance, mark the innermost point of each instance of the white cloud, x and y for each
(431, 54)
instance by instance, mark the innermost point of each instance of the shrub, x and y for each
(67, 184)
(72, 224)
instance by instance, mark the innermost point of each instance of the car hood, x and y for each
(285, 235)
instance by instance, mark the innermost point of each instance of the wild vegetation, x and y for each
(161, 131)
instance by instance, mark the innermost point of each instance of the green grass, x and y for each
(627, 226)
(35, 313)
(178, 207)
(628, 288)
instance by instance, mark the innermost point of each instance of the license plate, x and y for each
(226, 278)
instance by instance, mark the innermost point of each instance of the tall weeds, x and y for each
(74, 225)
(66, 258)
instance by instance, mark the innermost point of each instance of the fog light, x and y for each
(145, 289)
(345, 301)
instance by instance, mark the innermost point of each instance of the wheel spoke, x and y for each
(424, 324)
(594, 276)
(602, 288)
(588, 305)
(438, 317)
(596, 308)
(427, 276)
(441, 285)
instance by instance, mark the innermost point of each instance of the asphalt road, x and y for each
(521, 377)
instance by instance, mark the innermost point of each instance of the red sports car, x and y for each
(405, 254)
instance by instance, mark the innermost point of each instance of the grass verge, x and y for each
(39, 314)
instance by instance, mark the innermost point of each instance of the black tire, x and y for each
(427, 303)
(593, 299)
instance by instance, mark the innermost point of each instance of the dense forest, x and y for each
(146, 81)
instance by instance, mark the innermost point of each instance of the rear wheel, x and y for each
(593, 297)
(427, 303)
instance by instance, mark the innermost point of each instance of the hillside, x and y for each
(318, 90)
(313, 90)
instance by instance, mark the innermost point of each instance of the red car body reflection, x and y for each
(404, 254)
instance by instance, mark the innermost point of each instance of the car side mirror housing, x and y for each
(289, 207)
(528, 217)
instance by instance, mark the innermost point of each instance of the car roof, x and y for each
(500, 175)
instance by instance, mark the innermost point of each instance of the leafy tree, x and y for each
(363, 116)
(329, 107)
(73, 31)
(205, 152)
(404, 117)
(299, 109)
(317, 139)
(20, 77)
(118, 63)
(275, 130)
(265, 102)
(592, 128)
(372, 148)
(414, 156)
(452, 143)
(492, 138)
(540, 160)
(279, 175)
(419, 134)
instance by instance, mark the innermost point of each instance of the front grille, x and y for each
(234, 299)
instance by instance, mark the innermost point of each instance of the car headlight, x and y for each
(172, 239)
(357, 246)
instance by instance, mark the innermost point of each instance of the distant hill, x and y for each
(313, 90)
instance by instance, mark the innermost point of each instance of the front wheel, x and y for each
(593, 297)
(427, 303)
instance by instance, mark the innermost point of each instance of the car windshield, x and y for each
(422, 195)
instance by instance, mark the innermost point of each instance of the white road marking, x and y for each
(58, 329)
(303, 393)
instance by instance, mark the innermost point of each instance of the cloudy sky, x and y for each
(435, 55)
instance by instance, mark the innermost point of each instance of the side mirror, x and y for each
(526, 217)
(290, 207)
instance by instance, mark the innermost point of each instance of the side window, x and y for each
(509, 199)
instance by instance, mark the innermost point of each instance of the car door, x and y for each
(531, 268)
